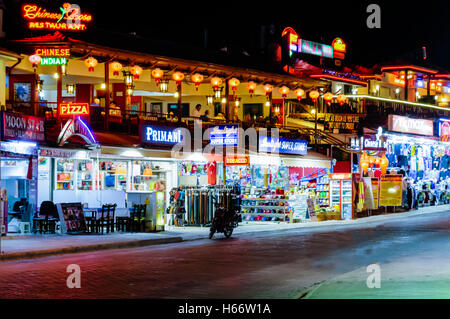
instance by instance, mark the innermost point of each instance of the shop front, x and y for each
(20, 135)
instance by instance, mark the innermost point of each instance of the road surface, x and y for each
(259, 265)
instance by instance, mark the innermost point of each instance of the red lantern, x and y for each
(115, 67)
(233, 82)
(377, 161)
(136, 70)
(251, 87)
(284, 90)
(314, 94)
(268, 88)
(328, 97)
(34, 59)
(341, 99)
(299, 93)
(157, 74)
(216, 82)
(197, 78)
(178, 77)
(91, 63)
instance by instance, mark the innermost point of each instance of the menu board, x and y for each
(391, 190)
(311, 209)
(71, 217)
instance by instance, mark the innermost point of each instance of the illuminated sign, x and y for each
(76, 127)
(399, 81)
(444, 130)
(314, 48)
(224, 135)
(53, 52)
(22, 127)
(53, 61)
(339, 45)
(372, 142)
(237, 161)
(68, 109)
(282, 145)
(340, 176)
(408, 125)
(156, 134)
(69, 18)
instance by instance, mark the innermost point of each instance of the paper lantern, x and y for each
(328, 97)
(34, 59)
(91, 63)
(157, 74)
(233, 82)
(299, 93)
(197, 78)
(377, 161)
(341, 99)
(251, 87)
(371, 161)
(216, 82)
(136, 70)
(268, 88)
(178, 77)
(284, 90)
(314, 94)
(116, 67)
(384, 163)
(364, 162)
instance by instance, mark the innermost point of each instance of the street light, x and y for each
(210, 99)
(70, 88)
(163, 86)
(218, 92)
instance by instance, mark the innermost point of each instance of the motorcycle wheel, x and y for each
(228, 231)
(211, 232)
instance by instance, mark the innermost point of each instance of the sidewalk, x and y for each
(27, 246)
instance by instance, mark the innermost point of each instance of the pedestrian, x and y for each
(197, 109)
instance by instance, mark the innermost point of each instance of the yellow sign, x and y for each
(391, 190)
(375, 183)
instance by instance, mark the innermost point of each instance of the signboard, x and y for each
(311, 209)
(22, 127)
(336, 123)
(405, 124)
(282, 145)
(375, 191)
(391, 190)
(162, 135)
(76, 127)
(47, 152)
(53, 61)
(237, 161)
(339, 45)
(224, 135)
(52, 52)
(69, 109)
(372, 142)
(68, 18)
(444, 130)
(71, 217)
(314, 48)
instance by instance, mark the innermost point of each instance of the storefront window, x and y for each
(147, 176)
(113, 175)
(85, 175)
(65, 173)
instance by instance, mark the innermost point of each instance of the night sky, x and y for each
(406, 26)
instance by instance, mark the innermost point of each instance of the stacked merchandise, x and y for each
(176, 206)
(196, 204)
(265, 205)
(322, 191)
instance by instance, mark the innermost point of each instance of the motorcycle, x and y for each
(224, 220)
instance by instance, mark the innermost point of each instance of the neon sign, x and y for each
(224, 135)
(339, 45)
(53, 61)
(409, 125)
(399, 81)
(68, 109)
(40, 19)
(53, 52)
(76, 127)
(282, 145)
(314, 48)
(237, 161)
(156, 134)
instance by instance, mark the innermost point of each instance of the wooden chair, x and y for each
(137, 218)
(107, 219)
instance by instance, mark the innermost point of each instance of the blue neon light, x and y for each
(282, 145)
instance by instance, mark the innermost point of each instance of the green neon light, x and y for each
(53, 61)
(395, 101)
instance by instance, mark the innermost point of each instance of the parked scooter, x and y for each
(224, 220)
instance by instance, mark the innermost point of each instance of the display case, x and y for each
(146, 177)
(113, 175)
(85, 175)
(341, 194)
(65, 170)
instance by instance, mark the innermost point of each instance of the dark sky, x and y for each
(405, 25)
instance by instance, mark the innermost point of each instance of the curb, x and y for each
(67, 250)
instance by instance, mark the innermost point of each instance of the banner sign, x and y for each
(69, 109)
(282, 145)
(162, 135)
(391, 190)
(405, 124)
(224, 135)
(444, 130)
(237, 161)
(17, 126)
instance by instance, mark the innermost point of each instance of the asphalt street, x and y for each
(282, 264)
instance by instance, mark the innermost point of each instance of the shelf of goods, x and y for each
(265, 209)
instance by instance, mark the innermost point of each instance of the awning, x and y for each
(312, 159)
